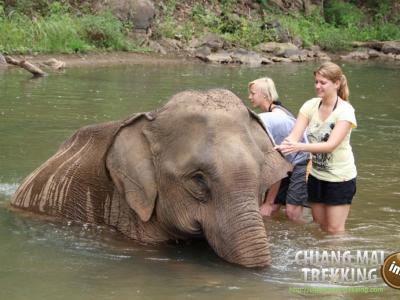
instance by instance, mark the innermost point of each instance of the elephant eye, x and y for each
(200, 179)
(198, 186)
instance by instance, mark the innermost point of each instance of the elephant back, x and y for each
(74, 182)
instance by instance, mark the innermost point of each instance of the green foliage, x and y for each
(334, 39)
(26, 7)
(58, 8)
(168, 7)
(228, 5)
(104, 31)
(239, 31)
(203, 17)
(69, 25)
(246, 34)
(340, 13)
(315, 31)
(2, 14)
(61, 32)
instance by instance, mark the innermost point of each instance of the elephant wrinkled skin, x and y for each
(198, 166)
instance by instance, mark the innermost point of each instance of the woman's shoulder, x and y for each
(310, 104)
(345, 106)
(313, 101)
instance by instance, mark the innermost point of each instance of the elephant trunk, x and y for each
(240, 237)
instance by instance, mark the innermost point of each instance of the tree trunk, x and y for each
(36, 71)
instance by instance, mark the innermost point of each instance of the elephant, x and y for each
(197, 167)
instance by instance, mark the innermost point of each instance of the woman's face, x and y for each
(255, 96)
(324, 87)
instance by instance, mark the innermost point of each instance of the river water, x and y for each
(47, 260)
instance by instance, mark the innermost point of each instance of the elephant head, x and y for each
(199, 166)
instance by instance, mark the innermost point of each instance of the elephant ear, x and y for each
(273, 159)
(130, 164)
(254, 116)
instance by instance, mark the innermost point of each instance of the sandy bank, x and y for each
(107, 59)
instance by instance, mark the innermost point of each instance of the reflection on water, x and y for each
(41, 259)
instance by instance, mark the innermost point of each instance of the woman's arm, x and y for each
(336, 137)
(298, 128)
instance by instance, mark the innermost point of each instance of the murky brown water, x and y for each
(42, 260)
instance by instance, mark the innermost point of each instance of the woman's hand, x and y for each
(267, 209)
(288, 147)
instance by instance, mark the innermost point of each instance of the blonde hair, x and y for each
(334, 73)
(266, 86)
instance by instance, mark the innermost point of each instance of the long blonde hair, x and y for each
(334, 73)
(266, 86)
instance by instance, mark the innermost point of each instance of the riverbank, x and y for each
(253, 33)
(52, 62)
(103, 59)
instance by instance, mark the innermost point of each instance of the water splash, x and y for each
(7, 189)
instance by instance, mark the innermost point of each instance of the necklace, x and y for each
(334, 107)
(270, 107)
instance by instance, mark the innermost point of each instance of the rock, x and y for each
(194, 43)
(389, 56)
(156, 47)
(302, 56)
(373, 53)
(282, 34)
(310, 54)
(315, 48)
(171, 44)
(290, 52)
(281, 59)
(391, 47)
(214, 42)
(268, 47)
(54, 64)
(297, 41)
(266, 61)
(323, 56)
(278, 49)
(385, 47)
(3, 61)
(286, 50)
(202, 52)
(397, 57)
(140, 13)
(219, 57)
(371, 44)
(246, 57)
(358, 55)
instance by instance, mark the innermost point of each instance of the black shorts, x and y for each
(293, 189)
(330, 193)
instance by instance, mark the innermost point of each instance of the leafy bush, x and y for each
(334, 39)
(104, 31)
(61, 32)
(341, 13)
(70, 26)
(26, 7)
(247, 34)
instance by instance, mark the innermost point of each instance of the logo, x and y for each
(391, 270)
(340, 267)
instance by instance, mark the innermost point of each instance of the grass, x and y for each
(62, 33)
(55, 27)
